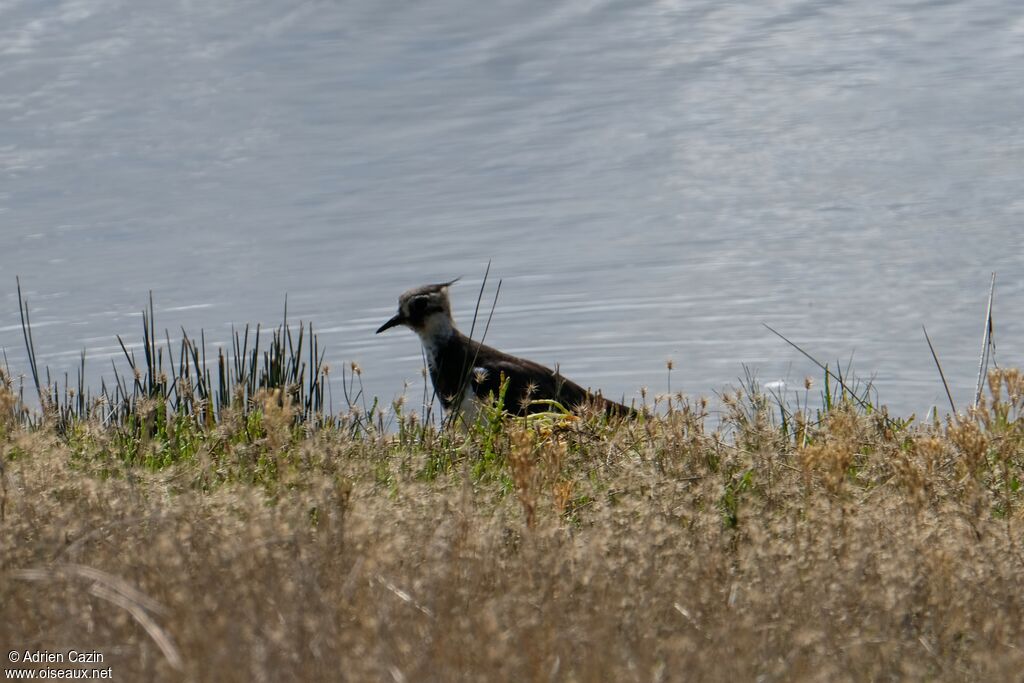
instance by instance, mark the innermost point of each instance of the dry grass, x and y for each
(850, 548)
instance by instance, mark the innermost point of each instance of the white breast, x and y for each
(469, 409)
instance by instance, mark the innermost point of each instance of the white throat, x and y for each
(436, 330)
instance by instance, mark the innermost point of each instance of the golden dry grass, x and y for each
(850, 550)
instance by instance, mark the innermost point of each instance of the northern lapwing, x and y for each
(465, 371)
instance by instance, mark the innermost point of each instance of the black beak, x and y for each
(397, 320)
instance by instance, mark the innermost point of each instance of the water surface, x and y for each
(651, 180)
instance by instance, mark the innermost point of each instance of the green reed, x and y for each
(181, 378)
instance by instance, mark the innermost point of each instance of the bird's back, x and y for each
(461, 364)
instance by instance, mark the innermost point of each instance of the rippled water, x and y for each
(651, 180)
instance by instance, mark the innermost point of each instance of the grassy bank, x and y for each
(841, 545)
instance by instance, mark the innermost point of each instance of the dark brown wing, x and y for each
(528, 382)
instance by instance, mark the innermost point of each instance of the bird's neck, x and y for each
(437, 331)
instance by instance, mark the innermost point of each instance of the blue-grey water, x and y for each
(651, 180)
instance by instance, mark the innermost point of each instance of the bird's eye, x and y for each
(418, 306)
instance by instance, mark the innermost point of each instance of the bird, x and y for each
(466, 372)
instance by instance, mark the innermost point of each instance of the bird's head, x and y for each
(425, 310)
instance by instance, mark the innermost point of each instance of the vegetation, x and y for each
(192, 533)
